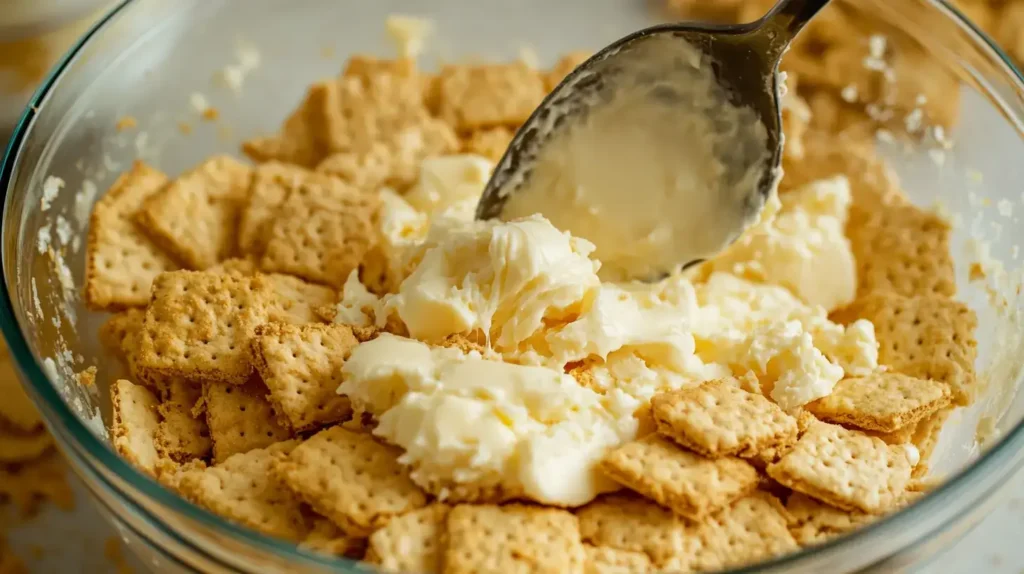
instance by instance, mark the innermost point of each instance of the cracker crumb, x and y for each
(125, 123)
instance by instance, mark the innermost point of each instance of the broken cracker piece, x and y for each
(301, 367)
(719, 419)
(844, 468)
(351, 479)
(926, 437)
(512, 538)
(120, 261)
(198, 325)
(484, 96)
(239, 418)
(687, 483)
(242, 489)
(410, 542)
(181, 436)
(135, 424)
(882, 402)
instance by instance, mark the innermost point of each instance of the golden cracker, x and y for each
(182, 436)
(882, 402)
(483, 96)
(295, 301)
(606, 560)
(490, 143)
(120, 262)
(926, 437)
(512, 538)
(752, 529)
(719, 419)
(351, 479)
(411, 542)
(240, 418)
(326, 538)
(689, 484)
(630, 523)
(301, 139)
(845, 468)
(134, 425)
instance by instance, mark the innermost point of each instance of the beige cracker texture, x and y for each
(120, 262)
(925, 437)
(484, 96)
(320, 238)
(182, 436)
(326, 538)
(295, 301)
(239, 418)
(607, 560)
(687, 483)
(752, 529)
(134, 426)
(300, 140)
(411, 542)
(927, 337)
(903, 250)
(301, 366)
(719, 419)
(813, 522)
(195, 217)
(490, 143)
(631, 523)
(198, 325)
(512, 538)
(243, 489)
(882, 402)
(367, 171)
(351, 479)
(844, 468)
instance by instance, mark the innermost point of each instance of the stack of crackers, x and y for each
(221, 284)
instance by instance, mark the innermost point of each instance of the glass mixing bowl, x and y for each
(158, 62)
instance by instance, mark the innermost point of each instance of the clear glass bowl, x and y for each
(148, 58)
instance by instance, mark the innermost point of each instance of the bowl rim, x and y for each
(996, 459)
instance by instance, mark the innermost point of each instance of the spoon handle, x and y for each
(788, 17)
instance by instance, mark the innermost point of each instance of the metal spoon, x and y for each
(661, 148)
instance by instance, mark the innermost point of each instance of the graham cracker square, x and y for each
(366, 171)
(326, 538)
(134, 424)
(198, 325)
(195, 217)
(182, 436)
(484, 96)
(630, 523)
(606, 560)
(411, 542)
(903, 250)
(845, 468)
(929, 336)
(242, 489)
(512, 538)
(752, 529)
(883, 402)
(120, 262)
(295, 301)
(814, 522)
(689, 484)
(301, 366)
(302, 139)
(717, 419)
(351, 479)
(240, 418)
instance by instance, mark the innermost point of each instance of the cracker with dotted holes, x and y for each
(904, 250)
(120, 261)
(240, 266)
(367, 171)
(923, 337)
(926, 437)
(687, 483)
(301, 139)
(301, 367)
(326, 538)
(482, 96)
(244, 490)
(719, 419)
(273, 184)
(629, 522)
(182, 436)
(844, 468)
(117, 327)
(351, 479)
(295, 301)
(766, 456)
(563, 67)
(752, 529)
(134, 425)
(317, 241)
(486, 490)
(198, 325)
(512, 538)
(411, 542)
(813, 522)
(883, 402)
(606, 560)
(488, 142)
(240, 418)
(195, 217)
(18, 447)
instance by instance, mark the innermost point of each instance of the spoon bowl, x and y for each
(661, 148)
